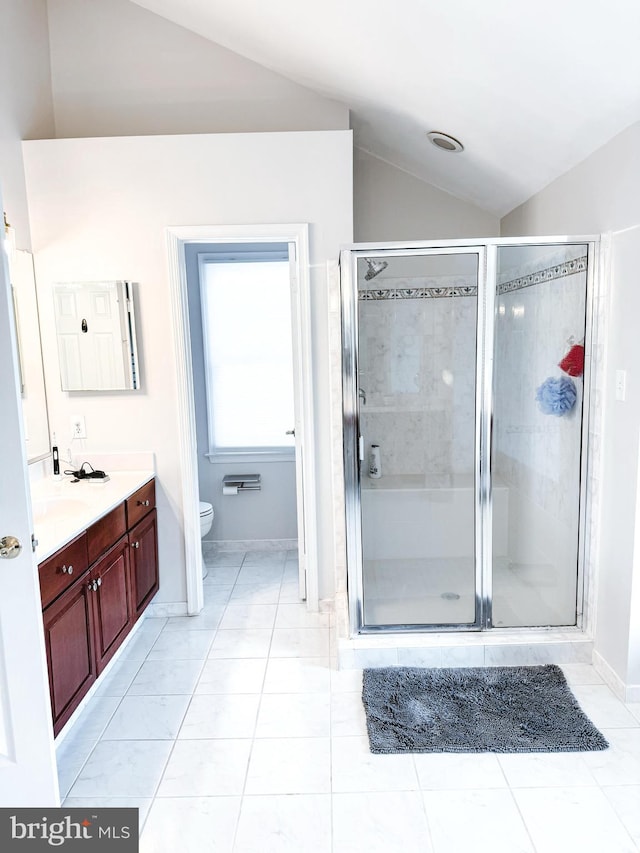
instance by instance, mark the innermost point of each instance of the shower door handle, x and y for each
(361, 448)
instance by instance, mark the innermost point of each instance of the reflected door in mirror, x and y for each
(96, 336)
(32, 389)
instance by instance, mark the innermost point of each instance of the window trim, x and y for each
(252, 454)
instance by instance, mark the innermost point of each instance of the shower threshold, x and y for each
(497, 647)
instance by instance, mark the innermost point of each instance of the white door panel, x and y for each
(27, 760)
(298, 418)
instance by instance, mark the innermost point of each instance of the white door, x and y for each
(296, 344)
(27, 758)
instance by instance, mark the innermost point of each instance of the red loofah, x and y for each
(573, 362)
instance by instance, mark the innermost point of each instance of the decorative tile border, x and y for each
(549, 274)
(418, 292)
(562, 270)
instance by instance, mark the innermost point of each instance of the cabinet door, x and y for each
(111, 597)
(70, 652)
(143, 539)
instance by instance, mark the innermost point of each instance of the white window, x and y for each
(246, 320)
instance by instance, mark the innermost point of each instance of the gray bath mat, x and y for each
(484, 709)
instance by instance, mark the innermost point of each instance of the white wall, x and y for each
(600, 194)
(133, 72)
(118, 69)
(603, 194)
(26, 108)
(99, 210)
(619, 563)
(390, 204)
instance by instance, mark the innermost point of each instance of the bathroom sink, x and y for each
(50, 508)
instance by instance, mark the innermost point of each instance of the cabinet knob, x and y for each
(135, 544)
(67, 570)
(144, 503)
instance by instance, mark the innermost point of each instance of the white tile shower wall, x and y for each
(337, 470)
(417, 369)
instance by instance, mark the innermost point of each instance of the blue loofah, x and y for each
(557, 396)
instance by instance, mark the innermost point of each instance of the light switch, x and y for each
(621, 385)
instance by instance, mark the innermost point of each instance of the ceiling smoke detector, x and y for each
(444, 141)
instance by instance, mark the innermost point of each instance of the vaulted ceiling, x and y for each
(530, 87)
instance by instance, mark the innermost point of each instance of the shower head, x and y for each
(375, 267)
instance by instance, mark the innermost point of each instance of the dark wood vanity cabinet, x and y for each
(69, 641)
(110, 593)
(93, 590)
(143, 542)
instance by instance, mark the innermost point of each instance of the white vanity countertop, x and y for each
(62, 509)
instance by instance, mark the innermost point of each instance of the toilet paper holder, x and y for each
(234, 483)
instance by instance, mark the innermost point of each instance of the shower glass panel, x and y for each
(537, 429)
(417, 320)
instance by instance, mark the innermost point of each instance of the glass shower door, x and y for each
(538, 385)
(417, 375)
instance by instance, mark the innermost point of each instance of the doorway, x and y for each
(466, 397)
(295, 239)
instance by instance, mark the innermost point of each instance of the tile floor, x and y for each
(232, 731)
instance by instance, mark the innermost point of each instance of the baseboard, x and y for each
(163, 609)
(610, 676)
(633, 693)
(250, 544)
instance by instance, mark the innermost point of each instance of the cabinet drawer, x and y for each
(61, 569)
(140, 503)
(106, 532)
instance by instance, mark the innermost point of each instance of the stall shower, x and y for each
(466, 376)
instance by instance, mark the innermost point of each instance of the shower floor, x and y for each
(441, 591)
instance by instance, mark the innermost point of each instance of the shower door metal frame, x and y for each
(487, 251)
(351, 426)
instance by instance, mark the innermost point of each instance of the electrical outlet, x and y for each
(78, 427)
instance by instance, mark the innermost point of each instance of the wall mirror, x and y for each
(32, 388)
(96, 333)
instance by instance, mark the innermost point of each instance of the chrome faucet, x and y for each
(363, 396)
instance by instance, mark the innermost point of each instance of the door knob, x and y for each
(290, 432)
(10, 547)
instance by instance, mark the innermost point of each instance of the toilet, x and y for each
(206, 520)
